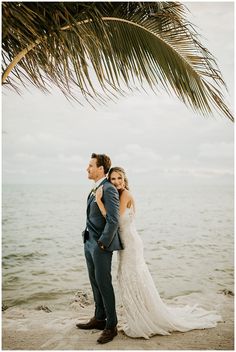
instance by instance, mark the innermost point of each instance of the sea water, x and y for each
(187, 235)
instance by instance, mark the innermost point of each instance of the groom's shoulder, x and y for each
(109, 186)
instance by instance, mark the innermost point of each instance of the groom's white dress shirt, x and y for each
(96, 185)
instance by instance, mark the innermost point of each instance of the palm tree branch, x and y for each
(150, 42)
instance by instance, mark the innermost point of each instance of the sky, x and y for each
(48, 140)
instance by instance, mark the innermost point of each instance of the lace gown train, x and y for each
(145, 313)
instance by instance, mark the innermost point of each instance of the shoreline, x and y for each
(30, 329)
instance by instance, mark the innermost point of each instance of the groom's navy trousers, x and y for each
(102, 230)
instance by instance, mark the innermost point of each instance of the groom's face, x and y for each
(94, 172)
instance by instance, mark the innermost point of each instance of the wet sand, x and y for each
(25, 329)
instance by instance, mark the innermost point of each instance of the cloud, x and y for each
(196, 172)
(49, 140)
(139, 158)
(144, 153)
(71, 159)
(216, 150)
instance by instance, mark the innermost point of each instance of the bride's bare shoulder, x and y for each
(127, 197)
(126, 194)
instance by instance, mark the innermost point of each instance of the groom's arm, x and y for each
(111, 203)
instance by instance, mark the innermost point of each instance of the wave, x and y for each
(61, 296)
(24, 256)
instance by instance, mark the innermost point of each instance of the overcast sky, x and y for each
(46, 139)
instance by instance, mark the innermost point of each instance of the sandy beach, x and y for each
(25, 329)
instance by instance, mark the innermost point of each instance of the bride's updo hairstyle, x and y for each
(121, 172)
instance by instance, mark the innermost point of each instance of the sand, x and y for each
(25, 329)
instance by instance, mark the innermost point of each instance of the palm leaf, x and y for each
(124, 43)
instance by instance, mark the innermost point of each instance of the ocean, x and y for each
(187, 234)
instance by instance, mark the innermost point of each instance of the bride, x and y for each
(146, 314)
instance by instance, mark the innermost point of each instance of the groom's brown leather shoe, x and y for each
(107, 335)
(92, 324)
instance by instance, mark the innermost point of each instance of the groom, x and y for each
(101, 238)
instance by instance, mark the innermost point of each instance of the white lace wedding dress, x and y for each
(145, 313)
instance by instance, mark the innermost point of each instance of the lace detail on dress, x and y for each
(145, 313)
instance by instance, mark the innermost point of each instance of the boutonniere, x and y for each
(93, 192)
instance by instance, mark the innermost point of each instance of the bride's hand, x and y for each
(99, 193)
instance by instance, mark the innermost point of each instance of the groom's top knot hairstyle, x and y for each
(102, 160)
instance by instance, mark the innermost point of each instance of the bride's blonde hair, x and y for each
(120, 171)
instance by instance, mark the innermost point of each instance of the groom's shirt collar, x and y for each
(97, 184)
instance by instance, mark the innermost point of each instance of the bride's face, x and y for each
(117, 179)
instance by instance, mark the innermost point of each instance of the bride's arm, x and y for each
(123, 203)
(99, 201)
(125, 200)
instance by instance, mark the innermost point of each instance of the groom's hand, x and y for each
(101, 245)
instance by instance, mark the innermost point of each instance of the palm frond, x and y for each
(123, 42)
